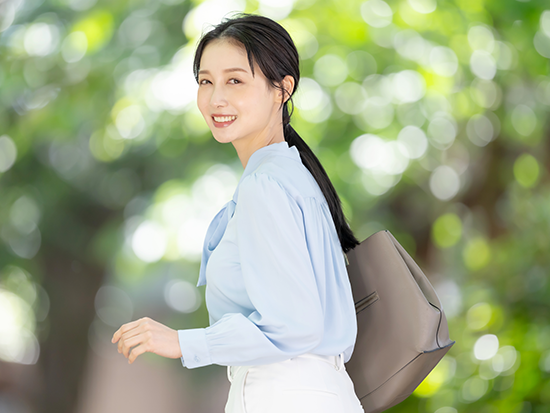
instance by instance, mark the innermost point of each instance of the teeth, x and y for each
(224, 118)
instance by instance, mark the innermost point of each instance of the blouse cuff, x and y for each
(193, 347)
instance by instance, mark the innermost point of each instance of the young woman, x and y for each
(282, 316)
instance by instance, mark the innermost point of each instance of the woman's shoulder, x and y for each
(290, 174)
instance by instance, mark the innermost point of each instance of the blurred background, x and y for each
(430, 118)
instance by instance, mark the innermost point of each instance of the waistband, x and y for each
(336, 361)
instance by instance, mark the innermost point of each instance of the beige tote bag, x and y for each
(402, 331)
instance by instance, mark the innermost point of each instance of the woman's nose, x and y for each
(218, 99)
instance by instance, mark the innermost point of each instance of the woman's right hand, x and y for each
(146, 335)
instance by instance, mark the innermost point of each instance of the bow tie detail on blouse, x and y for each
(214, 235)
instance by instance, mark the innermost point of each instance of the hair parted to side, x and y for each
(270, 46)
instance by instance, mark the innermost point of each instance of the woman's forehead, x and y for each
(224, 54)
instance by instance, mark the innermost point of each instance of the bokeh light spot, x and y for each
(477, 253)
(24, 214)
(423, 6)
(41, 39)
(181, 296)
(480, 130)
(303, 37)
(376, 13)
(351, 98)
(330, 70)
(544, 362)
(80, 5)
(414, 140)
(372, 152)
(17, 342)
(408, 86)
(486, 93)
(481, 37)
(444, 182)
(8, 153)
(545, 22)
(441, 373)
(74, 47)
(524, 119)
(505, 360)
(129, 122)
(473, 389)
(378, 183)
(447, 230)
(97, 27)
(113, 306)
(442, 130)
(312, 101)
(486, 347)
(104, 148)
(443, 61)
(541, 41)
(365, 150)
(411, 45)
(483, 65)
(361, 64)
(478, 316)
(526, 170)
(149, 241)
(276, 9)
(208, 13)
(505, 55)
(378, 113)
(7, 14)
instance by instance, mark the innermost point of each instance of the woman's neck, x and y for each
(245, 147)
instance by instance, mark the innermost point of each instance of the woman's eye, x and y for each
(235, 81)
(204, 82)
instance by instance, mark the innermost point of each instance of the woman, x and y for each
(282, 316)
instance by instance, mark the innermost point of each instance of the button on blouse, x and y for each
(274, 270)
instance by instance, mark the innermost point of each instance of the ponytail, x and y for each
(310, 161)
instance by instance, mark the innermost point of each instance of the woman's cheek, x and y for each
(242, 102)
(202, 104)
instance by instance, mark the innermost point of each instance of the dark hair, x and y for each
(269, 45)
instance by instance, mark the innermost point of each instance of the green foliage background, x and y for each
(100, 139)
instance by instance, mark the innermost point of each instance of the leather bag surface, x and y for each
(402, 331)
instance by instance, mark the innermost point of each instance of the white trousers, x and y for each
(303, 384)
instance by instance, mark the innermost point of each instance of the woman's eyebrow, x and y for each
(232, 69)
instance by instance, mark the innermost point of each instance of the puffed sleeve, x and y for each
(288, 318)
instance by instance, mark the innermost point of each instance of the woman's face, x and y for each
(234, 103)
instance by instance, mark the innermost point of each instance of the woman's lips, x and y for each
(223, 121)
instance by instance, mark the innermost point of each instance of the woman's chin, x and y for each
(222, 138)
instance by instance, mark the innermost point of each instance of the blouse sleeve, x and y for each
(278, 275)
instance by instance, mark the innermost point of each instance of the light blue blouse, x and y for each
(274, 269)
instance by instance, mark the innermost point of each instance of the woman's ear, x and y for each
(288, 85)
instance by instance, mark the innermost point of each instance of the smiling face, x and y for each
(238, 107)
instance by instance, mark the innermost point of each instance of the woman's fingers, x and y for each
(128, 331)
(128, 335)
(124, 328)
(147, 335)
(136, 351)
(125, 344)
(116, 336)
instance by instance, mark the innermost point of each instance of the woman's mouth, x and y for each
(223, 121)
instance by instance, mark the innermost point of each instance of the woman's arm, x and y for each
(278, 275)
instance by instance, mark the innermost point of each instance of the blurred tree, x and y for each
(430, 118)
